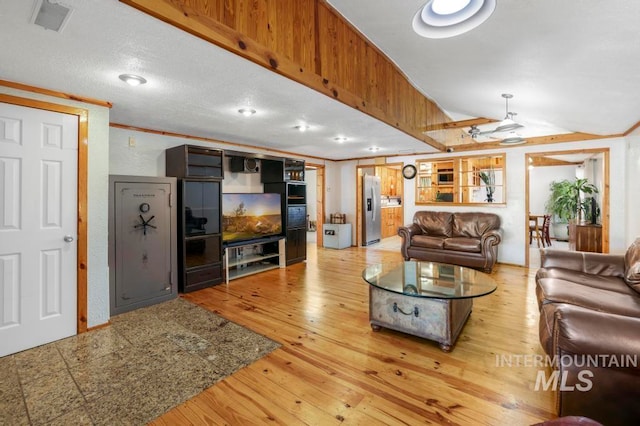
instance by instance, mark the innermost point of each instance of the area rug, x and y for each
(147, 362)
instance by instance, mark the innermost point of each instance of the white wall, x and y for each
(97, 210)
(513, 215)
(311, 179)
(633, 188)
(539, 180)
(147, 157)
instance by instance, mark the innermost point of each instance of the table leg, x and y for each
(445, 348)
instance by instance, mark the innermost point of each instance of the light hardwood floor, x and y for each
(333, 369)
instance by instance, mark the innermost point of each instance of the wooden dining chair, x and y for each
(534, 230)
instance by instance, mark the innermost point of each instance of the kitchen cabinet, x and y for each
(392, 219)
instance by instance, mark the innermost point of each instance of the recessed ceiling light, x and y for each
(132, 79)
(247, 112)
(374, 149)
(302, 127)
(448, 18)
(340, 139)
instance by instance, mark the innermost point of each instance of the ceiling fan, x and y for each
(506, 125)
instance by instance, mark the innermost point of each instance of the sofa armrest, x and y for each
(580, 330)
(406, 232)
(597, 363)
(489, 248)
(590, 263)
(491, 238)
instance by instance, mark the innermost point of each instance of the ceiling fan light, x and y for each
(507, 125)
(513, 140)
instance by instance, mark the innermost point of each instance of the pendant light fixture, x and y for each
(507, 124)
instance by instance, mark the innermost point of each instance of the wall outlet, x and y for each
(132, 142)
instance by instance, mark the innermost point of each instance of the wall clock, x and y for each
(409, 171)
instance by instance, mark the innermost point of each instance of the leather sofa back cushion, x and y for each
(474, 225)
(632, 265)
(435, 224)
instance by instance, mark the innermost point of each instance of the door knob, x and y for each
(68, 238)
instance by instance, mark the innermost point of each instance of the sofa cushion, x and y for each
(632, 265)
(474, 225)
(427, 241)
(611, 283)
(471, 245)
(437, 224)
(553, 290)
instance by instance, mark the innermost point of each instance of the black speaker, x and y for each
(251, 165)
(244, 165)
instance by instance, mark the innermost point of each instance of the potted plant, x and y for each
(489, 180)
(565, 204)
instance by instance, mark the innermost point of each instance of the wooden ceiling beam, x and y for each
(325, 53)
(540, 140)
(459, 124)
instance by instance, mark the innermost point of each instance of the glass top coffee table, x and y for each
(426, 299)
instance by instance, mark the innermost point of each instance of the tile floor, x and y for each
(145, 363)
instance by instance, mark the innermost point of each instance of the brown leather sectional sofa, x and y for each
(465, 239)
(590, 321)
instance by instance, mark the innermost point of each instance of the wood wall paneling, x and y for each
(309, 42)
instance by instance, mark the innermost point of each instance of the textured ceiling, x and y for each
(571, 65)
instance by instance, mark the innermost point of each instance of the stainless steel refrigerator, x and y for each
(370, 210)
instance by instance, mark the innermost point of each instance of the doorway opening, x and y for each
(544, 168)
(315, 178)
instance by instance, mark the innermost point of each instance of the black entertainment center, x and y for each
(248, 228)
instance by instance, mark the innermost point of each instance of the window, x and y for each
(461, 180)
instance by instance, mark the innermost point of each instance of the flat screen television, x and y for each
(250, 216)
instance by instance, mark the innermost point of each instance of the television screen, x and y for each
(250, 216)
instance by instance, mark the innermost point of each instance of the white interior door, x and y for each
(38, 227)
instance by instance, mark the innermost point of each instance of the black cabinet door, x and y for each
(296, 245)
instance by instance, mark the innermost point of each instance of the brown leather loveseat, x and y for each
(465, 239)
(590, 322)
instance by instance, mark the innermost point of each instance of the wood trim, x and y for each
(83, 138)
(631, 129)
(605, 210)
(459, 124)
(320, 199)
(99, 327)
(55, 94)
(203, 139)
(83, 215)
(380, 100)
(540, 140)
